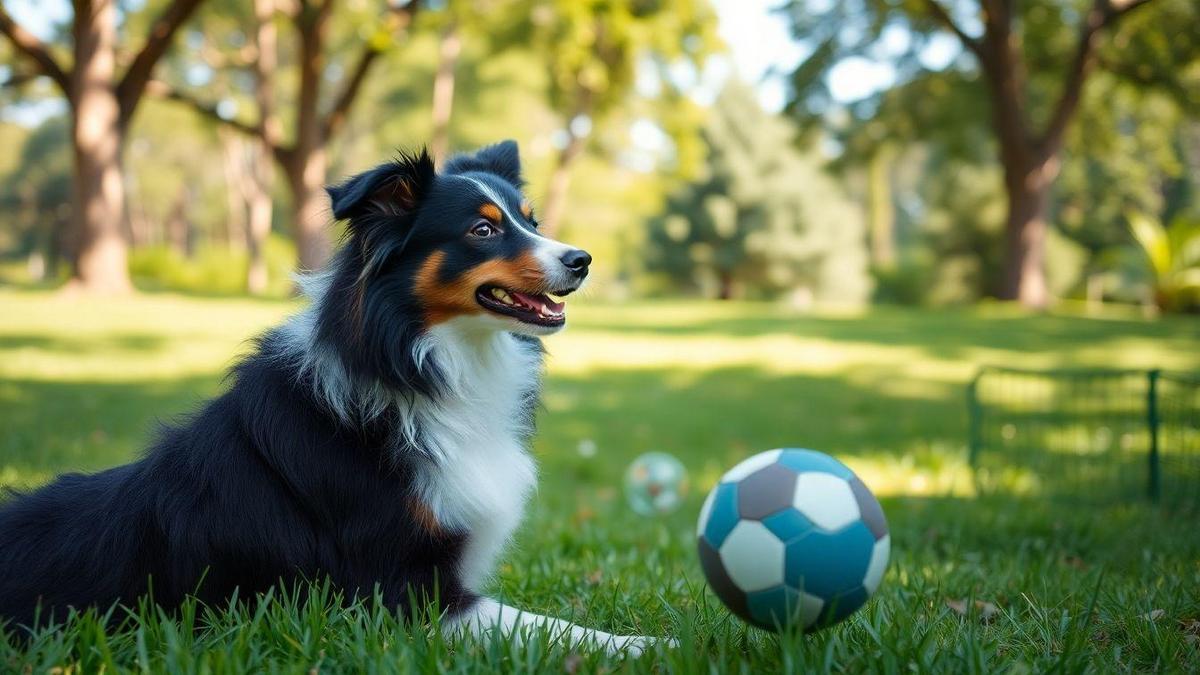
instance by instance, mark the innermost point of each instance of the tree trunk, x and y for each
(259, 222)
(233, 161)
(1025, 233)
(306, 165)
(724, 285)
(262, 169)
(880, 210)
(310, 213)
(102, 265)
(443, 91)
(560, 182)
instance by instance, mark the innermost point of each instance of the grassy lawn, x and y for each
(1109, 588)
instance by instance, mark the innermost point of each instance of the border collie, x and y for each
(377, 439)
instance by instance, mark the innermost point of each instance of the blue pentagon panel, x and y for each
(774, 607)
(827, 563)
(842, 605)
(800, 460)
(719, 581)
(868, 506)
(766, 491)
(723, 515)
(789, 525)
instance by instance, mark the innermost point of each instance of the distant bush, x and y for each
(904, 284)
(211, 270)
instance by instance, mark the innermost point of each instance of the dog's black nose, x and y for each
(577, 260)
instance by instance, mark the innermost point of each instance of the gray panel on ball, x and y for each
(719, 581)
(868, 506)
(766, 491)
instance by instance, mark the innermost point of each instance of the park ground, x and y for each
(975, 584)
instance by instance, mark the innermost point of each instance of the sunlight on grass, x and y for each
(83, 382)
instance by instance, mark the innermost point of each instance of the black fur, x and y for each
(267, 483)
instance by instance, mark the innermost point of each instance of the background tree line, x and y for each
(1052, 150)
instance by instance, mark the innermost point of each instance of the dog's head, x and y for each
(460, 243)
(426, 248)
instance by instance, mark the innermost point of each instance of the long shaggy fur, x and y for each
(357, 442)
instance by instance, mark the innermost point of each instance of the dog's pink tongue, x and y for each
(542, 301)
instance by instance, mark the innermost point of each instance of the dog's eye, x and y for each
(484, 229)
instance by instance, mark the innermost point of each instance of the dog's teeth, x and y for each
(502, 295)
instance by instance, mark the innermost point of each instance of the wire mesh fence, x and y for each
(1091, 435)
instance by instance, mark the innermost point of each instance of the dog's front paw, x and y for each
(636, 645)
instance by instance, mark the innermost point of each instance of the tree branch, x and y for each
(399, 19)
(163, 90)
(943, 17)
(282, 153)
(1103, 13)
(28, 44)
(133, 84)
(341, 109)
(19, 79)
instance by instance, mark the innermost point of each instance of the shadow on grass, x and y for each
(139, 342)
(51, 427)
(727, 413)
(943, 334)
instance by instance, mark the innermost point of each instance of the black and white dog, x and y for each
(378, 438)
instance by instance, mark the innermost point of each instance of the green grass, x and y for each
(82, 383)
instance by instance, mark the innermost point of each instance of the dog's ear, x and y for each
(501, 159)
(393, 188)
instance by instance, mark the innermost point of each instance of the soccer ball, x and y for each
(792, 538)
(655, 483)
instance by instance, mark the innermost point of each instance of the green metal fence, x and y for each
(1086, 434)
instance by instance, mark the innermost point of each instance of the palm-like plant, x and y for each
(1168, 258)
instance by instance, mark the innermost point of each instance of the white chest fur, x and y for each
(481, 476)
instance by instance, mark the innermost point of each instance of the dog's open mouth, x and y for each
(538, 309)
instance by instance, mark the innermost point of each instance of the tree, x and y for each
(592, 49)
(765, 219)
(102, 108)
(1015, 47)
(318, 117)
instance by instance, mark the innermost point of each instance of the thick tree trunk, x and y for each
(310, 213)
(443, 92)
(1025, 232)
(306, 164)
(262, 169)
(97, 137)
(555, 205)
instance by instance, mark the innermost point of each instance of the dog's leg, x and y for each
(488, 615)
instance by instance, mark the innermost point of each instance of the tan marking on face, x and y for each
(526, 209)
(424, 516)
(491, 212)
(446, 300)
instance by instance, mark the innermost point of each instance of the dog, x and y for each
(377, 439)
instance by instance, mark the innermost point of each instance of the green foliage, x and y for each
(1162, 264)
(593, 51)
(765, 219)
(211, 270)
(35, 189)
(1074, 587)
(1126, 148)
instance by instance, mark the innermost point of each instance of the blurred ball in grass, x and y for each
(655, 484)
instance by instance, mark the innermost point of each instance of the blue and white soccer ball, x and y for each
(792, 538)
